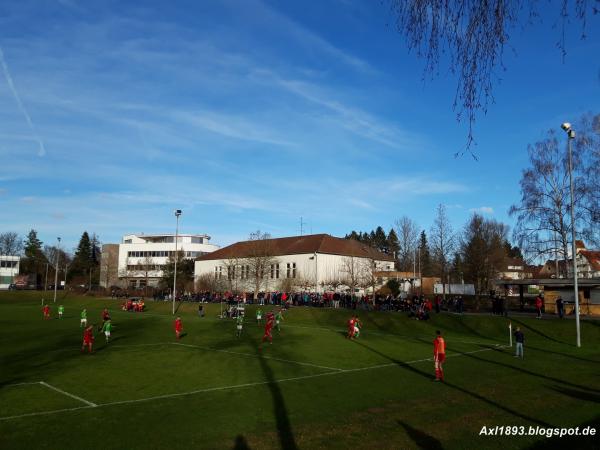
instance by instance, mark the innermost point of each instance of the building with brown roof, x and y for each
(314, 262)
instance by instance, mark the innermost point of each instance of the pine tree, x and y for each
(34, 261)
(83, 258)
(426, 267)
(392, 243)
(379, 239)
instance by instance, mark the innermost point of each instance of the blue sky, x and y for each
(250, 114)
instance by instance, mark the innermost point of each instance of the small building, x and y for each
(553, 288)
(410, 282)
(142, 258)
(9, 269)
(317, 262)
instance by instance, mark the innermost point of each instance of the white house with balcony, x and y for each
(317, 262)
(9, 268)
(143, 257)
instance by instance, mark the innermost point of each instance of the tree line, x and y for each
(45, 262)
(475, 254)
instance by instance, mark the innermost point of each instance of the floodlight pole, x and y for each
(177, 214)
(56, 269)
(571, 135)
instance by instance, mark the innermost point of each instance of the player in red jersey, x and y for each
(46, 310)
(88, 339)
(439, 355)
(178, 327)
(269, 327)
(351, 324)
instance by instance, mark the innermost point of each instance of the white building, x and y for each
(142, 258)
(315, 262)
(9, 268)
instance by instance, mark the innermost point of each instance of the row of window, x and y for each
(161, 254)
(143, 267)
(244, 271)
(9, 264)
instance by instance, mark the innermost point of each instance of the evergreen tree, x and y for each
(34, 262)
(379, 240)
(82, 259)
(393, 244)
(426, 266)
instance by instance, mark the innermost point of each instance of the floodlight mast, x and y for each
(177, 214)
(571, 135)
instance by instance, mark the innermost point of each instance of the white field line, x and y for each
(236, 386)
(250, 355)
(21, 384)
(49, 386)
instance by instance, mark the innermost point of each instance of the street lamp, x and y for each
(56, 268)
(177, 214)
(571, 135)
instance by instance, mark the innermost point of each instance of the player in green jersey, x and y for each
(83, 322)
(278, 320)
(240, 324)
(106, 328)
(259, 315)
(61, 311)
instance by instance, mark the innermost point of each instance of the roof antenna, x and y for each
(301, 226)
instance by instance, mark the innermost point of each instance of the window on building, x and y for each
(274, 271)
(127, 241)
(291, 270)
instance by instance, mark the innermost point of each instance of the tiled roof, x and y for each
(294, 245)
(593, 258)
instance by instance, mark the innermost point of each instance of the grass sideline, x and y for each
(310, 389)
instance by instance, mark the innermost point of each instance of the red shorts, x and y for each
(87, 341)
(441, 357)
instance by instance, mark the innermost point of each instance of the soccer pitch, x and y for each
(312, 388)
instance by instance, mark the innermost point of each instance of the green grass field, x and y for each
(311, 388)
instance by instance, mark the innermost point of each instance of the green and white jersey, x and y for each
(278, 316)
(61, 309)
(84, 314)
(240, 320)
(107, 326)
(259, 314)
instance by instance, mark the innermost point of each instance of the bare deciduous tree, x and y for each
(543, 226)
(408, 239)
(471, 35)
(10, 244)
(260, 258)
(352, 272)
(442, 243)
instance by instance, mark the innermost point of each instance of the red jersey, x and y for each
(178, 325)
(439, 346)
(351, 323)
(88, 336)
(46, 309)
(270, 320)
(538, 302)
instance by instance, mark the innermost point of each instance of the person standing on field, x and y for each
(178, 327)
(520, 340)
(538, 306)
(46, 310)
(61, 311)
(439, 355)
(83, 321)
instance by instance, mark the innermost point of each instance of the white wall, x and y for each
(321, 268)
(7, 274)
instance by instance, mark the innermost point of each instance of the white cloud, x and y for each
(483, 210)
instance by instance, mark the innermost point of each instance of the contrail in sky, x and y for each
(11, 85)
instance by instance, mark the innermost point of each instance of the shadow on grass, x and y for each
(465, 391)
(422, 439)
(528, 372)
(284, 427)
(240, 443)
(538, 332)
(577, 394)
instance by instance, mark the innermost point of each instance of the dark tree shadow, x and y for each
(539, 333)
(240, 443)
(284, 427)
(474, 395)
(529, 372)
(422, 439)
(577, 394)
